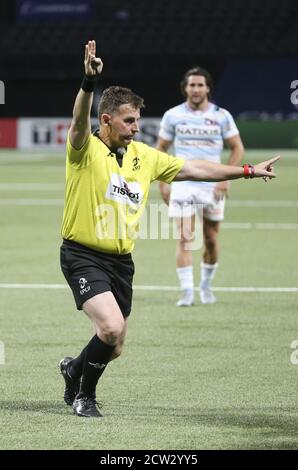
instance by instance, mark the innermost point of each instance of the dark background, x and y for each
(250, 48)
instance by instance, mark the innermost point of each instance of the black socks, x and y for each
(76, 365)
(95, 357)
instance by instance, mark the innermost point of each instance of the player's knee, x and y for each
(118, 350)
(111, 332)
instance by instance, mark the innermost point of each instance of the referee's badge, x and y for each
(136, 164)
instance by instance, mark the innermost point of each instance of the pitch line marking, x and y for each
(155, 288)
(31, 186)
(56, 187)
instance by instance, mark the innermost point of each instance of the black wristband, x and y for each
(88, 84)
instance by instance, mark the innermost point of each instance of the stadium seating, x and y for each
(142, 42)
(167, 27)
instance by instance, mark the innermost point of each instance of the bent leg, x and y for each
(106, 316)
(76, 365)
(109, 324)
(120, 343)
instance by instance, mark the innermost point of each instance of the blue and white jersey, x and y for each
(198, 135)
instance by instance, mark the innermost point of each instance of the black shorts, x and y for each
(89, 272)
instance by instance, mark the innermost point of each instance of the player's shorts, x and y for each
(189, 199)
(89, 272)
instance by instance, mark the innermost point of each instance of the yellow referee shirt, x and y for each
(103, 201)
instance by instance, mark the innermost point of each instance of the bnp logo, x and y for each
(2, 92)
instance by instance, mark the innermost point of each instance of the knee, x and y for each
(111, 333)
(117, 351)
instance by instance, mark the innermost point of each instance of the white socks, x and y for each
(207, 274)
(185, 276)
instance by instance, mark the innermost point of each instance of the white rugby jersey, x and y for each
(198, 135)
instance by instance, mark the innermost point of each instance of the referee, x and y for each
(108, 176)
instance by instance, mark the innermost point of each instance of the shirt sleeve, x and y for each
(165, 167)
(228, 126)
(167, 130)
(82, 157)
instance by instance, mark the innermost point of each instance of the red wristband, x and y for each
(246, 170)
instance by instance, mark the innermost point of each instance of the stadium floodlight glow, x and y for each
(2, 92)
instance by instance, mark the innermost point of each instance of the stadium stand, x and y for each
(152, 27)
(144, 40)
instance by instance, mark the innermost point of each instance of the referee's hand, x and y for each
(93, 64)
(265, 169)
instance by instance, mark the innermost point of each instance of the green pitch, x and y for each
(206, 377)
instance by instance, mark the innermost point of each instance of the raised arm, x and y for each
(80, 127)
(200, 170)
(164, 188)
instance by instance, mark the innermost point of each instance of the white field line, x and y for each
(31, 186)
(31, 202)
(256, 154)
(155, 288)
(6, 158)
(61, 186)
(258, 203)
(225, 225)
(58, 187)
(253, 203)
(259, 226)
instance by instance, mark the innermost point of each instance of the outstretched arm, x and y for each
(164, 188)
(80, 127)
(235, 145)
(200, 170)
